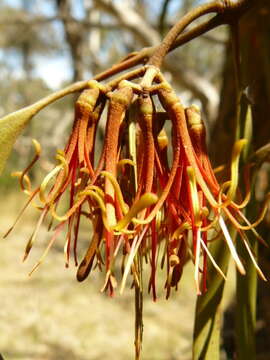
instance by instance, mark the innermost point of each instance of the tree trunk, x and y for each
(74, 37)
(254, 32)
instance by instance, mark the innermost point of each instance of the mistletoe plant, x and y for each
(141, 204)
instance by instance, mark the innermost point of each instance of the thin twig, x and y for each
(163, 16)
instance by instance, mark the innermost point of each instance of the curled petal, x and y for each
(25, 181)
(248, 188)
(124, 162)
(46, 181)
(55, 215)
(92, 187)
(37, 147)
(253, 225)
(238, 146)
(181, 229)
(58, 185)
(101, 204)
(146, 200)
(117, 189)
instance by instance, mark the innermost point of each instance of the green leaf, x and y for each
(206, 338)
(246, 287)
(246, 294)
(12, 125)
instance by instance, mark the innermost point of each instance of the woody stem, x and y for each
(230, 8)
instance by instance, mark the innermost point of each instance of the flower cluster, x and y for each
(149, 194)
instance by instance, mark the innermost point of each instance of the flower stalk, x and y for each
(171, 202)
(137, 200)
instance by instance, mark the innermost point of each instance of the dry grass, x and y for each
(50, 316)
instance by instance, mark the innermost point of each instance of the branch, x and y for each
(131, 20)
(229, 10)
(43, 20)
(86, 24)
(20, 118)
(163, 15)
(143, 56)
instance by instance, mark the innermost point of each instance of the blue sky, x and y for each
(53, 69)
(56, 69)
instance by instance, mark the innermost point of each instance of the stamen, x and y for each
(84, 170)
(109, 280)
(219, 169)
(133, 251)
(67, 251)
(244, 238)
(210, 225)
(197, 261)
(78, 182)
(133, 150)
(254, 231)
(212, 259)
(231, 246)
(34, 193)
(162, 139)
(194, 196)
(58, 229)
(32, 239)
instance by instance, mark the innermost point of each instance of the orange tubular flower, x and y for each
(135, 200)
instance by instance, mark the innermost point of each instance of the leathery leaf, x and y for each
(206, 342)
(12, 125)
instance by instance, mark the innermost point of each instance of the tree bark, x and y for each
(74, 36)
(254, 30)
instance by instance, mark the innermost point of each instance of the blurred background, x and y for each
(47, 44)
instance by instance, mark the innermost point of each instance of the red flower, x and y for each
(135, 200)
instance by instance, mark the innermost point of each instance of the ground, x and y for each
(50, 316)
